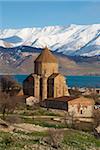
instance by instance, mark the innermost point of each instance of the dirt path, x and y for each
(29, 127)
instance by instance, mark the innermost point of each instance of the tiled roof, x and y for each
(54, 75)
(83, 100)
(46, 56)
(63, 98)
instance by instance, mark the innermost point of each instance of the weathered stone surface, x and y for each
(81, 107)
(98, 129)
(4, 126)
(30, 101)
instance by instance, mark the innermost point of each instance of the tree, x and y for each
(69, 119)
(54, 138)
(9, 85)
(7, 103)
(96, 117)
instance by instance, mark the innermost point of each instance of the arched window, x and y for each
(81, 112)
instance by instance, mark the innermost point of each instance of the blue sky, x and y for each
(30, 13)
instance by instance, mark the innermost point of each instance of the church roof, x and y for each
(46, 56)
(62, 98)
(54, 75)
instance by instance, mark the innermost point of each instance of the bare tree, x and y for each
(7, 103)
(9, 85)
(96, 117)
(69, 119)
(54, 138)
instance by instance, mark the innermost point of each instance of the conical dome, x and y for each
(46, 56)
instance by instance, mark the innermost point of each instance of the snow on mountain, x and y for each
(1, 43)
(82, 40)
(13, 39)
(5, 44)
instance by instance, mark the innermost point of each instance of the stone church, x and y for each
(46, 81)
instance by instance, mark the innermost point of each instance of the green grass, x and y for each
(39, 112)
(17, 140)
(80, 140)
(49, 125)
(72, 139)
(44, 123)
(53, 124)
(35, 133)
(7, 140)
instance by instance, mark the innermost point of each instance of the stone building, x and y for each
(76, 106)
(46, 81)
(81, 107)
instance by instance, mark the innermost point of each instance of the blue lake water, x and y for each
(73, 81)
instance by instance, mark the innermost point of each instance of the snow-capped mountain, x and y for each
(80, 40)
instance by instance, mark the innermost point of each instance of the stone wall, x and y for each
(49, 68)
(85, 111)
(81, 107)
(53, 104)
(60, 87)
(45, 68)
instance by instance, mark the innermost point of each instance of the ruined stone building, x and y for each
(46, 81)
(76, 106)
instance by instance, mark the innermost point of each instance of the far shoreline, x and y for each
(79, 81)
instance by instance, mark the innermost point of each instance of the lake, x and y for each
(73, 81)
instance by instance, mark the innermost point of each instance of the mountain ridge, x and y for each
(17, 61)
(72, 40)
(77, 48)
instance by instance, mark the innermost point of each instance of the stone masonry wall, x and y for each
(80, 111)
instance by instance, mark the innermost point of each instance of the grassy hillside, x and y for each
(51, 140)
